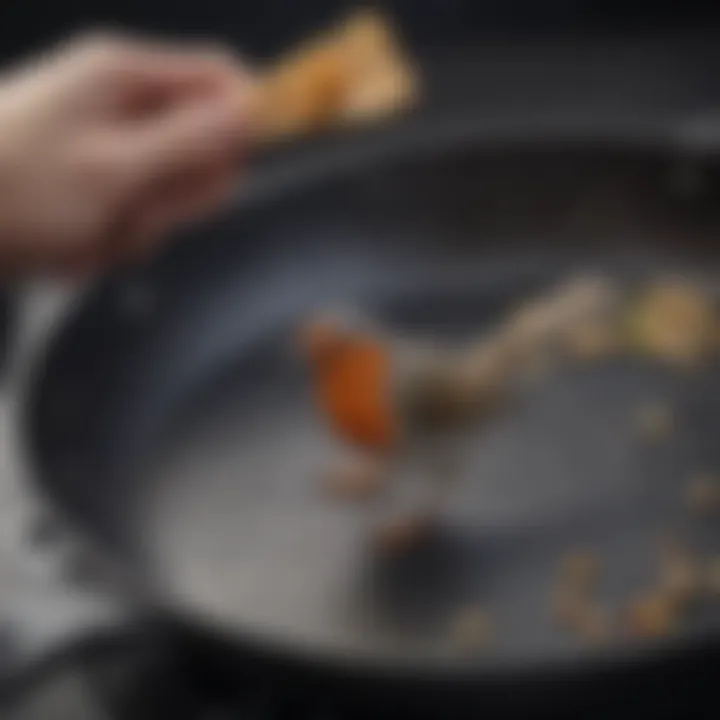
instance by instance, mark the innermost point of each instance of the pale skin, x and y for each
(107, 145)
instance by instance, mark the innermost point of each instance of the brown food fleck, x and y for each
(579, 569)
(654, 615)
(362, 480)
(574, 610)
(592, 340)
(471, 628)
(673, 321)
(680, 580)
(702, 494)
(403, 532)
(573, 606)
(568, 605)
(680, 574)
(654, 420)
(711, 577)
(594, 623)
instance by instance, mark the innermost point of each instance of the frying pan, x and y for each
(171, 422)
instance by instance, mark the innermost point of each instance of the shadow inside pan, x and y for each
(203, 458)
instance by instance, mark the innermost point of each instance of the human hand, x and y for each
(108, 144)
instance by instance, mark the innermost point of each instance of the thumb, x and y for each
(195, 135)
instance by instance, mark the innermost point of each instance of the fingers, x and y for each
(129, 62)
(175, 110)
(176, 163)
(118, 139)
(191, 108)
(110, 74)
(182, 141)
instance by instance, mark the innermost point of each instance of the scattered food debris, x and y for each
(673, 321)
(654, 420)
(471, 628)
(702, 494)
(384, 392)
(380, 393)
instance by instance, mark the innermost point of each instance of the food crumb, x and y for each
(575, 611)
(592, 341)
(594, 623)
(680, 580)
(568, 605)
(573, 607)
(654, 420)
(355, 481)
(653, 615)
(403, 532)
(673, 321)
(579, 569)
(471, 628)
(711, 577)
(702, 494)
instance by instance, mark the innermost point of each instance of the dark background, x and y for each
(262, 26)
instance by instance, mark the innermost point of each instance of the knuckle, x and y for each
(103, 49)
(97, 42)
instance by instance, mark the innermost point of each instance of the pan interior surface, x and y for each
(207, 458)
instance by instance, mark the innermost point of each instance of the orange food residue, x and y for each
(353, 385)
